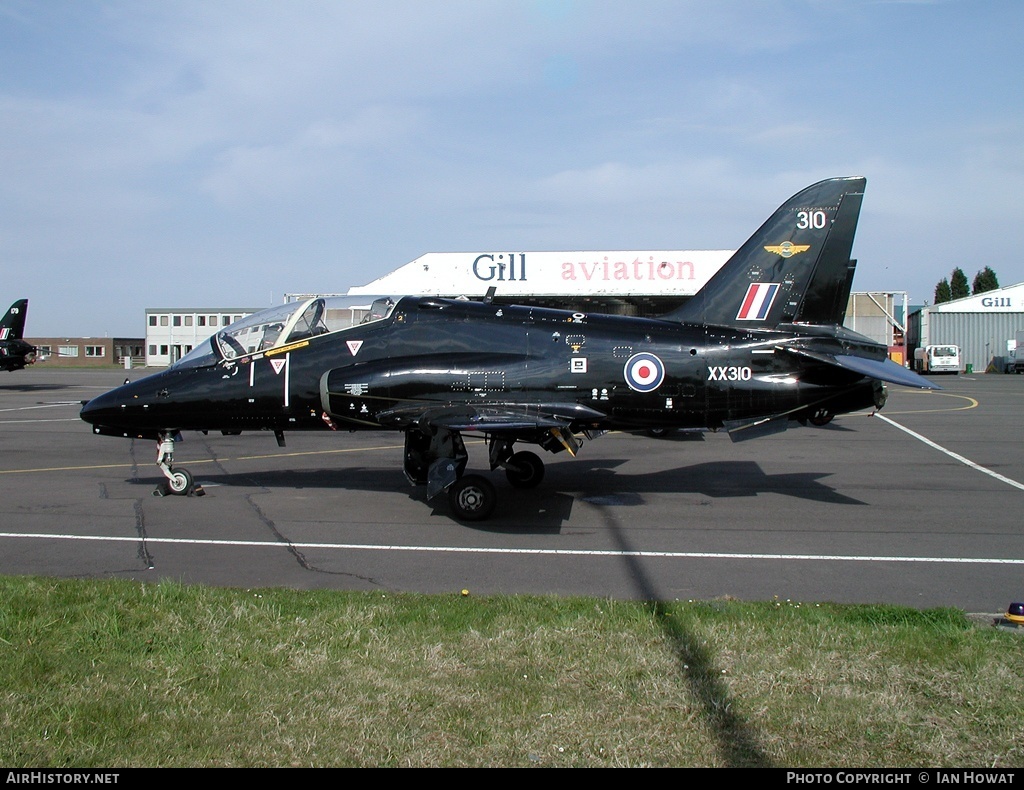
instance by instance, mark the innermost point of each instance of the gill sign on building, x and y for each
(1009, 299)
(597, 273)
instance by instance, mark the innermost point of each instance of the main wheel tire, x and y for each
(180, 482)
(472, 498)
(525, 470)
(821, 417)
(659, 433)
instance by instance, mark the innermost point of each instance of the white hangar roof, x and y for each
(593, 273)
(1009, 299)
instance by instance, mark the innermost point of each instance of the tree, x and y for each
(942, 292)
(958, 286)
(985, 280)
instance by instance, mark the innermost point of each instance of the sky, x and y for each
(223, 153)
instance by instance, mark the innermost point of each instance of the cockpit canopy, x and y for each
(286, 323)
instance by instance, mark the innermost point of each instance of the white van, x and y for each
(942, 358)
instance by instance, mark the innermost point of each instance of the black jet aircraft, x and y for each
(15, 353)
(759, 348)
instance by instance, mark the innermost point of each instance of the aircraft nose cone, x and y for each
(94, 411)
(116, 413)
(139, 409)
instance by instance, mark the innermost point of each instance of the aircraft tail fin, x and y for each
(796, 268)
(12, 327)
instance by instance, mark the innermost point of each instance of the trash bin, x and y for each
(970, 367)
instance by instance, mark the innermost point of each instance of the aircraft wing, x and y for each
(882, 369)
(492, 418)
(547, 424)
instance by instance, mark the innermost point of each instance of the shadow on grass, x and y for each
(737, 744)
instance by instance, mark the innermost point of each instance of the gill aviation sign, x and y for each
(598, 273)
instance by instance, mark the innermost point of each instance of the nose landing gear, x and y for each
(179, 481)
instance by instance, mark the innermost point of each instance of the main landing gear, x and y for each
(816, 416)
(179, 481)
(821, 417)
(473, 497)
(439, 460)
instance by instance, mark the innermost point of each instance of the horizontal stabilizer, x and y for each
(885, 370)
(881, 369)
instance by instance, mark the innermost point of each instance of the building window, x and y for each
(188, 320)
(177, 320)
(152, 320)
(67, 351)
(163, 351)
(152, 349)
(201, 319)
(45, 351)
(163, 320)
(95, 351)
(226, 320)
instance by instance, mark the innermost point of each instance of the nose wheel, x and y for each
(179, 481)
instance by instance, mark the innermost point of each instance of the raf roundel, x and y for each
(644, 372)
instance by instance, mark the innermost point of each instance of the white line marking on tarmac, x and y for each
(19, 422)
(683, 555)
(953, 455)
(45, 406)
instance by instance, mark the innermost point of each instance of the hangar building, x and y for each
(171, 332)
(984, 326)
